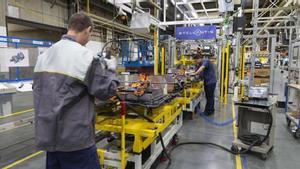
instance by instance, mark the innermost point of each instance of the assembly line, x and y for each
(146, 84)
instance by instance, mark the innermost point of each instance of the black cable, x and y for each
(256, 139)
(199, 143)
(251, 140)
(164, 148)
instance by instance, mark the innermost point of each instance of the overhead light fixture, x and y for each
(178, 16)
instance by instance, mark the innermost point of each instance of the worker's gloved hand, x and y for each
(111, 64)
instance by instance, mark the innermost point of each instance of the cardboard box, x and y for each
(259, 80)
(262, 72)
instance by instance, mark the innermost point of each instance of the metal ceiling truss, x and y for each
(280, 12)
(126, 5)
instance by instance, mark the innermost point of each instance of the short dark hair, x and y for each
(79, 21)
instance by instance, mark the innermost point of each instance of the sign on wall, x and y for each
(196, 32)
(16, 57)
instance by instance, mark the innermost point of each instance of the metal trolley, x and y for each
(256, 126)
(292, 110)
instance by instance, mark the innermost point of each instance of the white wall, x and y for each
(41, 12)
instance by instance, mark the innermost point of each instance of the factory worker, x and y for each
(206, 69)
(67, 78)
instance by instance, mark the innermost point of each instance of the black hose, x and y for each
(164, 147)
(251, 140)
(198, 143)
(256, 139)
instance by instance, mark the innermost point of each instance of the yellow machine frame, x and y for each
(194, 91)
(183, 61)
(145, 132)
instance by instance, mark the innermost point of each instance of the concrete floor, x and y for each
(18, 143)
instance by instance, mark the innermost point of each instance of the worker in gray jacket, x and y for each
(67, 78)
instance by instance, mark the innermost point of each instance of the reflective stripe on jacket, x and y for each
(67, 77)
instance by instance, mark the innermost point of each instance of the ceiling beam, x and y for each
(273, 28)
(278, 13)
(271, 9)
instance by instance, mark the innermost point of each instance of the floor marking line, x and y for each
(16, 113)
(238, 160)
(22, 160)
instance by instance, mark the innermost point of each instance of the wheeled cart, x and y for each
(256, 126)
(292, 110)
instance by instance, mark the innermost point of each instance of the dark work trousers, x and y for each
(210, 98)
(81, 159)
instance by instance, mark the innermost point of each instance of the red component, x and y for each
(123, 108)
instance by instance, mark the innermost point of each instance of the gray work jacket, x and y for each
(67, 77)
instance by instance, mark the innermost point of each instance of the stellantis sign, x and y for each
(196, 32)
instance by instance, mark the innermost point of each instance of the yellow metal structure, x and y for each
(156, 59)
(123, 158)
(226, 72)
(184, 61)
(191, 94)
(156, 43)
(144, 132)
(222, 74)
(163, 61)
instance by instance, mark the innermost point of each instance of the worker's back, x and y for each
(209, 73)
(65, 81)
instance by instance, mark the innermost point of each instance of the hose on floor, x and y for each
(209, 144)
(251, 140)
(217, 123)
(256, 139)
